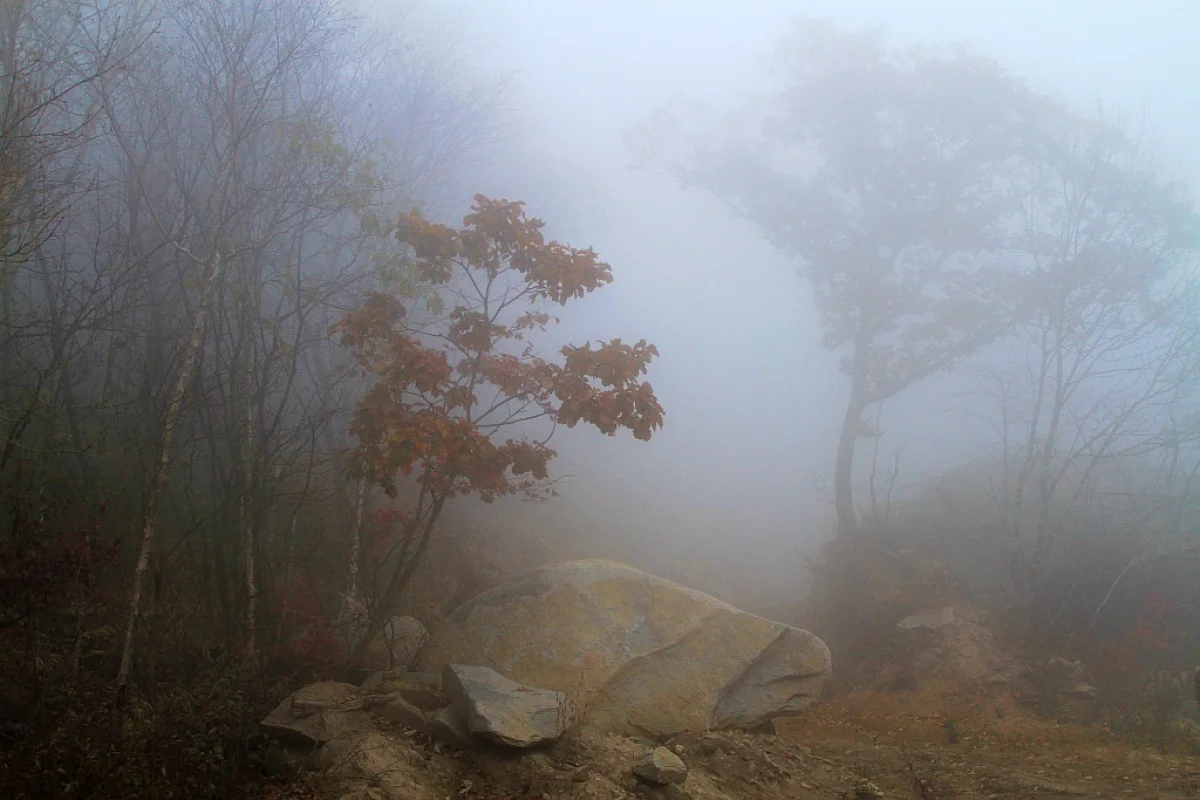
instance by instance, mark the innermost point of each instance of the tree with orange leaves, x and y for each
(458, 393)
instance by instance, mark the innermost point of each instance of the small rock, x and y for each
(504, 711)
(661, 766)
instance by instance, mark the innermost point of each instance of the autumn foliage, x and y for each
(447, 386)
(462, 402)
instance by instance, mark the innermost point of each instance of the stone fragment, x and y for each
(661, 766)
(504, 711)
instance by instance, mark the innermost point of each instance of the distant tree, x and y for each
(1104, 356)
(459, 384)
(886, 175)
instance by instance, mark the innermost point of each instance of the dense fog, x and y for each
(319, 313)
(754, 401)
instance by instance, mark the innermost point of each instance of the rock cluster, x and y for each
(622, 659)
(463, 704)
(331, 724)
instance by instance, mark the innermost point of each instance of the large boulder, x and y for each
(634, 653)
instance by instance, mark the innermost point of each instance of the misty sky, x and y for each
(753, 405)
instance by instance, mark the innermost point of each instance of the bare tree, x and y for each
(1099, 357)
(236, 64)
(52, 54)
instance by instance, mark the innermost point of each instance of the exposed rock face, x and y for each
(499, 710)
(330, 725)
(774, 685)
(635, 653)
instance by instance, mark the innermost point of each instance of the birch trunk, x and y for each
(158, 485)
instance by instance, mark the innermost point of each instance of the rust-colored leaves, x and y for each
(455, 397)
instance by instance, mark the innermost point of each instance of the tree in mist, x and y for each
(458, 390)
(887, 177)
(233, 185)
(52, 55)
(1091, 396)
(1104, 354)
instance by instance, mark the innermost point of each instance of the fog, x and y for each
(754, 403)
(901, 318)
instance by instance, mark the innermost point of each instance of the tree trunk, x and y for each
(843, 480)
(248, 511)
(360, 503)
(158, 485)
(401, 575)
(844, 473)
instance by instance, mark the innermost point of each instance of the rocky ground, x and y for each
(456, 731)
(880, 745)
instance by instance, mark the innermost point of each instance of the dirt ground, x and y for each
(862, 746)
(930, 746)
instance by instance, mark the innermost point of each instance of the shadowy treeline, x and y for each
(191, 195)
